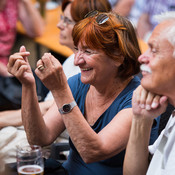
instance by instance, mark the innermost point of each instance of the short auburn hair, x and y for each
(116, 38)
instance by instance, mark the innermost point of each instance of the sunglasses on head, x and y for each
(100, 18)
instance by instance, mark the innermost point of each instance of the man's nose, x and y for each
(144, 58)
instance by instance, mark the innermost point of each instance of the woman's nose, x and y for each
(78, 59)
(60, 25)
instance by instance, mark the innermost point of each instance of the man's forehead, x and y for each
(161, 31)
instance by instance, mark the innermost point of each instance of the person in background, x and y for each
(123, 7)
(72, 13)
(147, 22)
(94, 106)
(10, 12)
(150, 100)
(131, 9)
(135, 12)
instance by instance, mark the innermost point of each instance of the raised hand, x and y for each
(147, 104)
(19, 66)
(51, 73)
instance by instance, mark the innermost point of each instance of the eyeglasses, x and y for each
(66, 20)
(100, 18)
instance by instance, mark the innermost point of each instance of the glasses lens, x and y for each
(102, 18)
(66, 20)
(91, 14)
(61, 17)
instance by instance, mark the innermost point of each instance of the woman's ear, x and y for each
(119, 60)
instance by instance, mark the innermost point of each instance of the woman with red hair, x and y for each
(95, 105)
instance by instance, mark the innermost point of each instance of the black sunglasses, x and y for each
(100, 18)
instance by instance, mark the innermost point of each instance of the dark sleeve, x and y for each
(74, 84)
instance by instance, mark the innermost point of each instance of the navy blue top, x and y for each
(112, 166)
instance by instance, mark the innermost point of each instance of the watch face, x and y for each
(66, 108)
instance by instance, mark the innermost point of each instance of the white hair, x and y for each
(165, 16)
(170, 15)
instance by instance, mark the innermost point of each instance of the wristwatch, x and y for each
(66, 108)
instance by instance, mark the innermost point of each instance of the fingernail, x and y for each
(148, 107)
(154, 105)
(27, 52)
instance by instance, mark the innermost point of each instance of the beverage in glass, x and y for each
(30, 160)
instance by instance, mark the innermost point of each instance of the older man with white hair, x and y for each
(150, 100)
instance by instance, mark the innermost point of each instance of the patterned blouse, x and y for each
(8, 19)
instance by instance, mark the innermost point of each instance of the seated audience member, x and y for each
(150, 100)
(136, 11)
(122, 7)
(72, 13)
(93, 105)
(147, 22)
(10, 12)
(132, 9)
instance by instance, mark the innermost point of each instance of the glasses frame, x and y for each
(100, 18)
(66, 20)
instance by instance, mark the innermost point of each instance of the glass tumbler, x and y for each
(30, 160)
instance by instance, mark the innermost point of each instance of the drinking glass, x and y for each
(30, 160)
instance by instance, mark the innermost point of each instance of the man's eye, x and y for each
(153, 50)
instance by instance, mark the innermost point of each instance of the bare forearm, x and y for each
(3, 70)
(86, 141)
(136, 158)
(143, 26)
(84, 138)
(45, 105)
(32, 118)
(10, 118)
(123, 7)
(31, 18)
(13, 117)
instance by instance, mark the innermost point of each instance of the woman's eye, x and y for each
(69, 21)
(76, 49)
(88, 51)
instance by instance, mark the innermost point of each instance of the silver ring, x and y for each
(40, 67)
